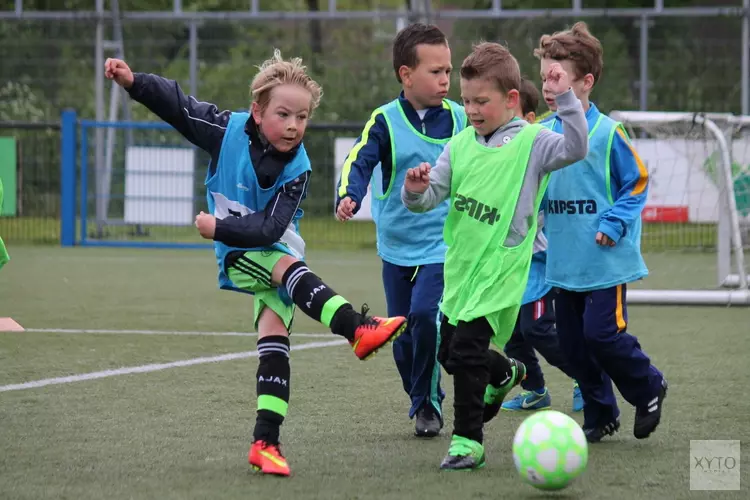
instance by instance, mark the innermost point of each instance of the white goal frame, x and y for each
(733, 287)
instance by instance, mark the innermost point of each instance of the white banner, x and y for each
(159, 185)
(681, 177)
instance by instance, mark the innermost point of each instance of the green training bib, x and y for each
(482, 276)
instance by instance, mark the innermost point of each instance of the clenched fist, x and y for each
(604, 240)
(117, 70)
(206, 224)
(557, 79)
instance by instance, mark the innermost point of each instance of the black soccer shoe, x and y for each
(595, 434)
(647, 418)
(428, 423)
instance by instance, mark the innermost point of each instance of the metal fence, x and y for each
(63, 194)
(151, 189)
(31, 151)
(674, 55)
(687, 58)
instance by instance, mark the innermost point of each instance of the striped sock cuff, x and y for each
(293, 276)
(276, 344)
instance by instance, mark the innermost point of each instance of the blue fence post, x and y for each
(68, 125)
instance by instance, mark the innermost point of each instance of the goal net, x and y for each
(696, 223)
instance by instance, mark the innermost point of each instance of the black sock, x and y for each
(500, 370)
(319, 301)
(272, 386)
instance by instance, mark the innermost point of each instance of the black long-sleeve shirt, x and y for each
(204, 125)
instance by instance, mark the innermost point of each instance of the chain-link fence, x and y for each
(654, 60)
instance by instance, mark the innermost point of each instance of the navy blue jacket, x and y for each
(204, 125)
(373, 146)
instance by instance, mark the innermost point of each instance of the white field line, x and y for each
(166, 332)
(156, 367)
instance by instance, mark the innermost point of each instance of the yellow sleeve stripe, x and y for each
(543, 116)
(347, 169)
(640, 186)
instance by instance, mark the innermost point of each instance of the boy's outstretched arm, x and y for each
(259, 229)
(438, 185)
(373, 144)
(629, 187)
(199, 122)
(553, 151)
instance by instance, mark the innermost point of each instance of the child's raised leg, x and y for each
(260, 272)
(505, 373)
(320, 302)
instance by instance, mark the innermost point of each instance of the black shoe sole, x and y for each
(602, 433)
(456, 468)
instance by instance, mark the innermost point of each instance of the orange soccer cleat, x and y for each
(267, 458)
(373, 333)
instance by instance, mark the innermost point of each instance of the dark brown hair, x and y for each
(529, 97)
(407, 40)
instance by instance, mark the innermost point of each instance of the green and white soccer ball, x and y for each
(550, 450)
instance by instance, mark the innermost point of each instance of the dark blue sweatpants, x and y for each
(415, 292)
(535, 329)
(592, 328)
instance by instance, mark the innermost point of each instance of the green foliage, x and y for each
(19, 102)
(692, 64)
(47, 66)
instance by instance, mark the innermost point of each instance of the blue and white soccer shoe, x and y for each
(529, 401)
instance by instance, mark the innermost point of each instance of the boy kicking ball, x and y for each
(258, 177)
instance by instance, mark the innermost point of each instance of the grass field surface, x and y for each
(140, 394)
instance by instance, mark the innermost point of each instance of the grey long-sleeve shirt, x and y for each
(551, 151)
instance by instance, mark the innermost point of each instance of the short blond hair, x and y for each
(495, 63)
(275, 72)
